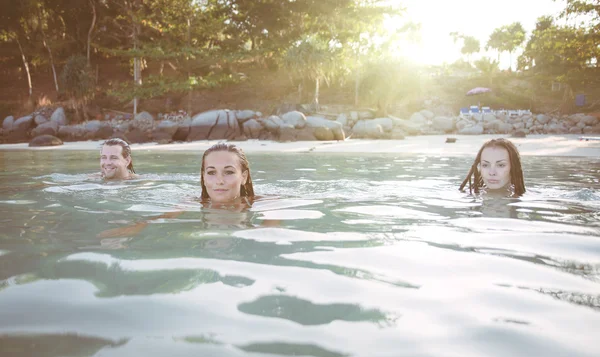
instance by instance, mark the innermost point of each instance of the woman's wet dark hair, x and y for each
(126, 150)
(516, 170)
(246, 190)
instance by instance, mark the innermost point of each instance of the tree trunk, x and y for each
(26, 65)
(566, 106)
(316, 98)
(189, 104)
(89, 39)
(45, 43)
(356, 83)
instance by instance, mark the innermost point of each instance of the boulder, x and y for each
(39, 120)
(287, 132)
(183, 130)
(71, 133)
(342, 119)
(305, 134)
(244, 115)
(252, 129)
(443, 123)
(7, 124)
(168, 127)
(143, 121)
(137, 136)
(334, 126)
(418, 118)
(296, 119)
(97, 130)
(323, 133)
(589, 120)
(476, 129)
(59, 117)
(397, 134)
(369, 129)
(387, 124)
(575, 130)
(45, 140)
(519, 134)
(273, 124)
(427, 114)
(214, 125)
(409, 127)
(542, 119)
(47, 128)
(23, 123)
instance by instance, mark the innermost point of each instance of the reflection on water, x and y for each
(348, 255)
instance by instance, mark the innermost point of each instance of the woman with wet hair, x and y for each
(225, 176)
(496, 169)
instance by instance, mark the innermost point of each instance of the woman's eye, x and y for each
(484, 165)
(229, 172)
(210, 172)
(501, 165)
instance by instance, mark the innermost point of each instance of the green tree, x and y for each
(488, 68)
(470, 45)
(386, 80)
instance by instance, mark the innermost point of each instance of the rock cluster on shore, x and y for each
(291, 126)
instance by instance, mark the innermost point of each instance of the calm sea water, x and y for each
(351, 255)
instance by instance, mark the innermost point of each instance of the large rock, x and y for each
(23, 123)
(71, 133)
(252, 129)
(443, 123)
(342, 119)
(7, 124)
(409, 127)
(40, 119)
(387, 124)
(143, 121)
(542, 119)
(589, 120)
(323, 133)
(427, 114)
(136, 136)
(168, 127)
(273, 124)
(476, 129)
(45, 140)
(59, 117)
(183, 130)
(367, 129)
(575, 130)
(296, 119)
(214, 125)
(244, 115)
(334, 126)
(47, 128)
(418, 118)
(97, 130)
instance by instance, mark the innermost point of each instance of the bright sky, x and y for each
(477, 18)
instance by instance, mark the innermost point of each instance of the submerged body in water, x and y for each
(365, 246)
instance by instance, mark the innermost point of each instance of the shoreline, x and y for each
(568, 145)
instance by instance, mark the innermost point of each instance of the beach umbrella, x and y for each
(478, 90)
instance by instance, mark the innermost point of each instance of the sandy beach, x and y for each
(535, 145)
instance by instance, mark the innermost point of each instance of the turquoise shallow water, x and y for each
(351, 255)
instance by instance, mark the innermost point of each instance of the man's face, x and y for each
(112, 163)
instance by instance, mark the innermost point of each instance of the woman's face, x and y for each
(223, 176)
(495, 167)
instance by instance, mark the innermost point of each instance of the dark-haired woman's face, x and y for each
(495, 167)
(223, 176)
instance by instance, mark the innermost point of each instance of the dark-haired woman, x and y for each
(496, 170)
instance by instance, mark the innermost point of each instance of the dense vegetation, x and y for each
(142, 49)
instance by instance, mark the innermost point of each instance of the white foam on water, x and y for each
(390, 211)
(19, 202)
(288, 214)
